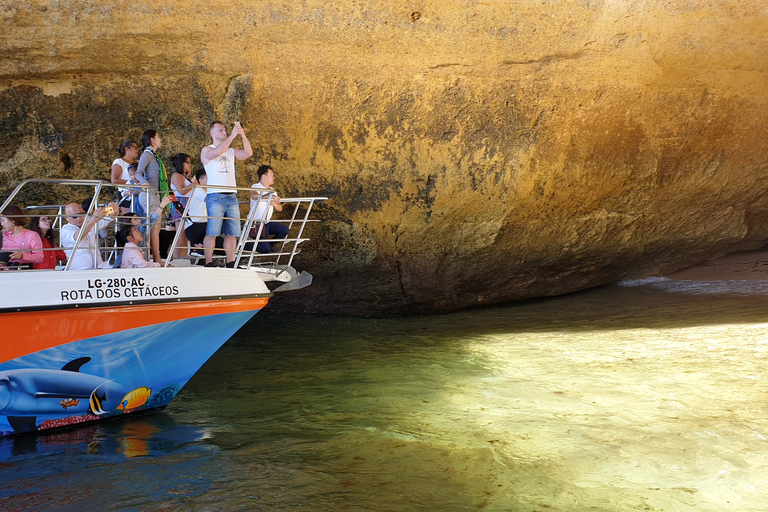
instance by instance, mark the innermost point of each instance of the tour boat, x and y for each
(86, 345)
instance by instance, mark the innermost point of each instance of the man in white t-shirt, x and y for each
(274, 230)
(221, 203)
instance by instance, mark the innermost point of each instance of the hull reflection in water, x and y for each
(642, 397)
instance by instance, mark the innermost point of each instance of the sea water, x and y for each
(648, 395)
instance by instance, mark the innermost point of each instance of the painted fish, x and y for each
(95, 403)
(70, 403)
(135, 398)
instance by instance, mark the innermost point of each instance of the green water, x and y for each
(649, 397)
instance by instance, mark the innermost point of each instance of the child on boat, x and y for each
(132, 196)
(142, 227)
(133, 257)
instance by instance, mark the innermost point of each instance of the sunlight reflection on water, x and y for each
(619, 398)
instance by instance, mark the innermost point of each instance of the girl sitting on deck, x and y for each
(131, 219)
(133, 257)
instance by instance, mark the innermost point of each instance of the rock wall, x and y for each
(473, 152)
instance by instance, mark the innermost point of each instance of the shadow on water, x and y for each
(657, 305)
(671, 304)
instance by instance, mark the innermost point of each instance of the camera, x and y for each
(109, 210)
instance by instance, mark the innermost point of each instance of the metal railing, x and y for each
(245, 254)
(61, 214)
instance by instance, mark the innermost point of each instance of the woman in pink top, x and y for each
(23, 244)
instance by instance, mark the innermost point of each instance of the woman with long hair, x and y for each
(152, 169)
(22, 244)
(182, 180)
(42, 226)
(129, 152)
(182, 183)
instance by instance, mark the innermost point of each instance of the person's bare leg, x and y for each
(230, 243)
(209, 243)
(182, 246)
(154, 239)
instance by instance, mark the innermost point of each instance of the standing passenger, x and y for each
(181, 186)
(136, 198)
(182, 179)
(152, 169)
(221, 203)
(128, 152)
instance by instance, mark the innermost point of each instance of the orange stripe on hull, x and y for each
(32, 331)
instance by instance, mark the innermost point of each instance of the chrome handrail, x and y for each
(58, 223)
(252, 256)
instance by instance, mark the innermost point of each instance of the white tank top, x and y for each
(221, 171)
(124, 176)
(177, 192)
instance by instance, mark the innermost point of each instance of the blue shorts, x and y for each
(227, 209)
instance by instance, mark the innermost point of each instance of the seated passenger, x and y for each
(22, 245)
(273, 230)
(42, 226)
(104, 223)
(131, 219)
(197, 221)
(87, 256)
(133, 257)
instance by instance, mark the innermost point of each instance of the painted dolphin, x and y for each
(28, 393)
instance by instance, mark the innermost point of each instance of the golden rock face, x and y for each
(473, 152)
